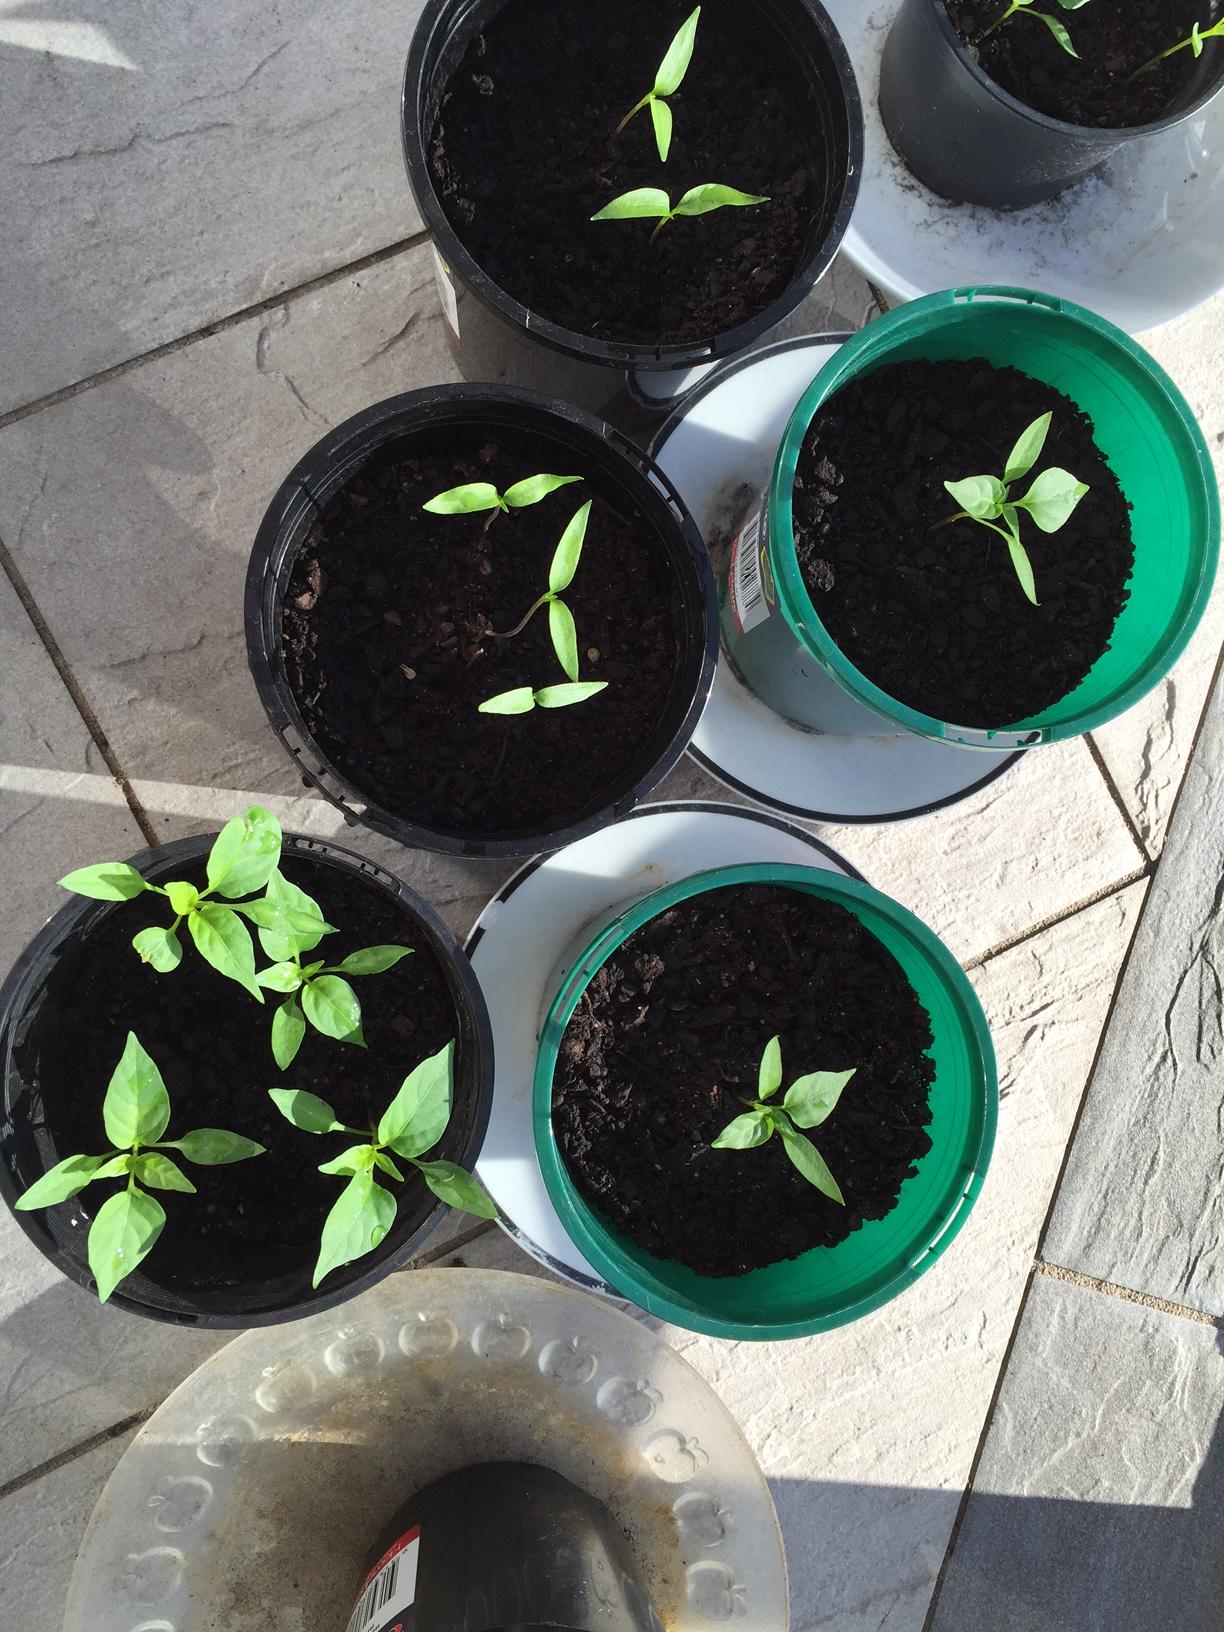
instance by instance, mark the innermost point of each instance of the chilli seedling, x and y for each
(1050, 501)
(1193, 42)
(476, 496)
(413, 1123)
(668, 81)
(561, 628)
(1024, 8)
(652, 203)
(135, 1113)
(315, 993)
(242, 860)
(809, 1101)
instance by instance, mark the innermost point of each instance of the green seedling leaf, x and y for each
(136, 1107)
(118, 1167)
(467, 500)
(416, 1118)
(981, 497)
(288, 1030)
(1059, 32)
(356, 1159)
(60, 1183)
(567, 696)
(746, 1132)
(1025, 8)
(1023, 567)
(284, 944)
(664, 124)
(564, 633)
(534, 489)
(222, 939)
(457, 1188)
(373, 960)
(357, 1224)
(811, 1163)
(160, 1173)
(183, 897)
(122, 1236)
(1027, 450)
(160, 948)
(281, 977)
(215, 1147)
(1052, 498)
(569, 552)
(713, 196)
(679, 55)
(108, 881)
(245, 854)
(305, 1111)
(382, 1160)
(520, 701)
(811, 1100)
(332, 1007)
(642, 204)
(769, 1074)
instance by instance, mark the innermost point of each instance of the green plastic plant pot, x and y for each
(1145, 429)
(828, 1286)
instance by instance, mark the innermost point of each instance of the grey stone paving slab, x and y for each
(867, 1434)
(42, 1526)
(1142, 1204)
(168, 165)
(1097, 1504)
(1147, 750)
(57, 800)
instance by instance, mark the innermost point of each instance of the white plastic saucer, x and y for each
(544, 916)
(251, 1498)
(1138, 241)
(719, 448)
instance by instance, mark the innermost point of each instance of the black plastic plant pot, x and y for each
(184, 1280)
(969, 140)
(496, 337)
(616, 473)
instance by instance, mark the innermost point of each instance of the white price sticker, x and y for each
(446, 291)
(749, 604)
(390, 1589)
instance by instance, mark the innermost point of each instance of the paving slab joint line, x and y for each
(455, 1244)
(1132, 827)
(1148, 870)
(1110, 1289)
(74, 689)
(217, 326)
(33, 1475)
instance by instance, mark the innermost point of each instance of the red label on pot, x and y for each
(747, 579)
(446, 291)
(389, 1594)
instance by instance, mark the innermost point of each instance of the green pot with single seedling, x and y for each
(1006, 103)
(943, 547)
(765, 1101)
(167, 1043)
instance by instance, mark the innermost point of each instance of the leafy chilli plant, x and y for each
(135, 1113)
(808, 1102)
(412, 1124)
(561, 627)
(1193, 42)
(1049, 501)
(473, 497)
(242, 860)
(318, 992)
(1025, 8)
(652, 203)
(668, 81)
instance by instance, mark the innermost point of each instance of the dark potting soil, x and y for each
(259, 1219)
(935, 615)
(388, 652)
(525, 152)
(1113, 40)
(665, 1046)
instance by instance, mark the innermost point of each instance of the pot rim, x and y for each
(1117, 134)
(626, 354)
(24, 980)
